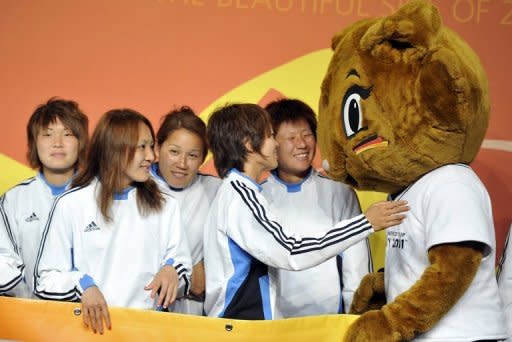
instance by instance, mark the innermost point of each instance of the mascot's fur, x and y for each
(404, 95)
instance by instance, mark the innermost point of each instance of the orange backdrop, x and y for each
(152, 55)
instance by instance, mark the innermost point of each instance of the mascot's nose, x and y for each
(325, 165)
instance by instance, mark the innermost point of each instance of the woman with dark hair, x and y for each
(303, 198)
(244, 242)
(181, 150)
(57, 139)
(114, 238)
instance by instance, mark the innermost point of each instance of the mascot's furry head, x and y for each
(403, 95)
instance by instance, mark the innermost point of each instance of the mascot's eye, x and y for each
(351, 111)
(352, 115)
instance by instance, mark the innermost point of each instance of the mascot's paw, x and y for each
(372, 326)
(369, 295)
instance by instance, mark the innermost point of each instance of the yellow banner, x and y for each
(34, 320)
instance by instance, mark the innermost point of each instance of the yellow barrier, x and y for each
(34, 320)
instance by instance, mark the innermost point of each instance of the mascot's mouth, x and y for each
(370, 142)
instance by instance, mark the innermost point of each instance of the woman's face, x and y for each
(57, 148)
(138, 168)
(179, 157)
(297, 145)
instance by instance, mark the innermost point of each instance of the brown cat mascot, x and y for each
(403, 110)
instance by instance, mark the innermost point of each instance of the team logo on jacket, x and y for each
(91, 226)
(32, 217)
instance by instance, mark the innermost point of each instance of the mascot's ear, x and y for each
(336, 40)
(405, 35)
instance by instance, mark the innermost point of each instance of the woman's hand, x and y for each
(95, 310)
(165, 284)
(386, 214)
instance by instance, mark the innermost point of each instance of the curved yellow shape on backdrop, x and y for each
(13, 172)
(300, 78)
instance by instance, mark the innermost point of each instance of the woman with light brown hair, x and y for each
(114, 238)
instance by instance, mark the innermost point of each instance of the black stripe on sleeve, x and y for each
(294, 246)
(306, 241)
(182, 273)
(260, 209)
(339, 266)
(11, 284)
(249, 198)
(180, 269)
(331, 242)
(370, 257)
(71, 295)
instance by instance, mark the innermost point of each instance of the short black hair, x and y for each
(291, 110)
(230, 128)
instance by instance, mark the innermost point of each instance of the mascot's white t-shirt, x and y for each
(448, 205)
